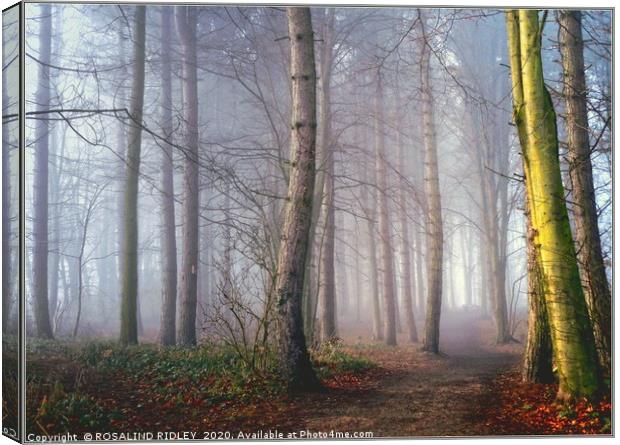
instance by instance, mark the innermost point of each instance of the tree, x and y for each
(186, 26)
(370, 214)
(81, 259)
(587, 237)
(292, 255)
(385, 243)
(488, 138)
(41, 182)
(325, 155)
(571, 331)
(434, 225)
(6, 213)
(129, 283)
(405, 249)
(167, 334)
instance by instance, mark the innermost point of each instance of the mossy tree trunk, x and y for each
(572, 337)
(538, 355)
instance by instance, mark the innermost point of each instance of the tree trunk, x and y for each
(373, 278)
(56, 186)
(121, 167)
(129, 294)
(420, 265)
(466, 258)
(495, 265)
(498, 279)
(484, 280)
(434, 229)
(571, 331)
(385, 243)
(292, 255)
(167, 334)
(587, 237)
(6, 213)
(537, 358)
(327, 282)
(186, 26)
(41, 182)
(405, 251)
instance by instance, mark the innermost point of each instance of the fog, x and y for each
(370, 163)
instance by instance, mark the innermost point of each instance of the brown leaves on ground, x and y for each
(472, 389)
(526, 409)
(354, 380)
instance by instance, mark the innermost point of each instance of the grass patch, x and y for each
(331, 358)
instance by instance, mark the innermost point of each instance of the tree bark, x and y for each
(434, 225)
(587, 237)
(537, 358)
(129, 293)
(572, 337)
(385, 242)
(167, 334)
(292, 255)
(41, 182)
(186, 26)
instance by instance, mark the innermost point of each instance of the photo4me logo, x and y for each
(305, 434)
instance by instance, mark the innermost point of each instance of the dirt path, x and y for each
(420, 394)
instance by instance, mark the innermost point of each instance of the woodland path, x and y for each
(420, 394)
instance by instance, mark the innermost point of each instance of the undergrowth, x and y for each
(70, 384)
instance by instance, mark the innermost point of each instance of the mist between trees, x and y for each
(272, 178)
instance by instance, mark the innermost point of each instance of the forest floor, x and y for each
(471, 389)
(422, 394)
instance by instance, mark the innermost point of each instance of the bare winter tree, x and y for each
(434, 229)
(167, 334)
(186, 25)
(294, 358)
(129, 304)
(41, 183)
(587, 237)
